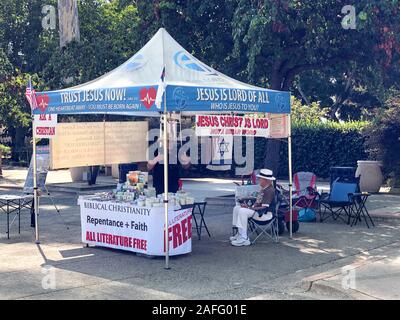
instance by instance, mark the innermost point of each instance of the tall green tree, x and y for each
(20, 54)
(282, 39)
(293, 45)
(204, 28)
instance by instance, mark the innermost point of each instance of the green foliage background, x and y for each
(383, 139)
(292, 45)
(318, 143)
(317, 147)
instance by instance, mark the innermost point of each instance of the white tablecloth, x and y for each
(128, 227)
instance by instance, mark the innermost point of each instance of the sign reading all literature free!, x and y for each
(44, 125)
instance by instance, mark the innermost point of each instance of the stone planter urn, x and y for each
(370, 174)
(77, 173)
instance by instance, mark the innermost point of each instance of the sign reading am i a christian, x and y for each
(223, 125)
(104, 100)
(44, 125)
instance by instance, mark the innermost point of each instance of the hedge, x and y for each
(319, 146)
(316, 147)
(5, 150)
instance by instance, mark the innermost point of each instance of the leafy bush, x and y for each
(5, 150)
(383, 140)
(312, 113)
(318, 146)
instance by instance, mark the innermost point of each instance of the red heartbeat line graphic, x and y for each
(148, 96)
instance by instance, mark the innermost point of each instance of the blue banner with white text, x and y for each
(211, 99)
(104, 100)
(179, 98)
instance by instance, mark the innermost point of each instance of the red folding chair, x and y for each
(305, 190)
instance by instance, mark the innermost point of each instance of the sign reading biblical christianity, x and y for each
(137, 229)
(222, 125)
(179, 98)
(98, 143)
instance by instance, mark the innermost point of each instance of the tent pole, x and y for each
(290, 174)
(35, 189)
(166, 149)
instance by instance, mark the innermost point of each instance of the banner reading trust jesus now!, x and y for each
(223, 125)
(128, 227)
(141, 98)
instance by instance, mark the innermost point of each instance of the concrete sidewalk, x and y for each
(380, 206)
(309, 266)
(327, 260)
(376, 277)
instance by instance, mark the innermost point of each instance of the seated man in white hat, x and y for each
(241, 213)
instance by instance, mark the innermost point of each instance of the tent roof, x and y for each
(190, 86)
(146, 66)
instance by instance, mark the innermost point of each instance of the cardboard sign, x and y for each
(224, 125)
(98, 143)
(44, 125)
(128, 227)
(279, 126)
(42, 167)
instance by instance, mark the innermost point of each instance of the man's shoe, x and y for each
(241, 242)
(235, 237)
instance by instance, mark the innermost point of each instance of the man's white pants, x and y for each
(241, 217)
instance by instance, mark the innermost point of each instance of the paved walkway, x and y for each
(323, 261)
(214, 270)
(381, 206)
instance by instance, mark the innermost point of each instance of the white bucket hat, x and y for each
(266, 174)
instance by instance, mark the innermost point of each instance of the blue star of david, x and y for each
(223, 147)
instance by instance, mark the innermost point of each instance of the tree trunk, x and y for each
(271, 158)
(18, 145)
(68, 21)
(1, 156)
(14, 153)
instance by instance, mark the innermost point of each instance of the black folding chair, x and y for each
(198, 208)
(339, 201)
(269, 228)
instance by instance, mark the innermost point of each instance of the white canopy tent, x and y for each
(162, 78)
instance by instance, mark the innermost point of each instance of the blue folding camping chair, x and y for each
(340, 200)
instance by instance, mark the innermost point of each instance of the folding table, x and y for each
(359, 208)
(10, 204)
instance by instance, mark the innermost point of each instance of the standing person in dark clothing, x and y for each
(156, 165)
